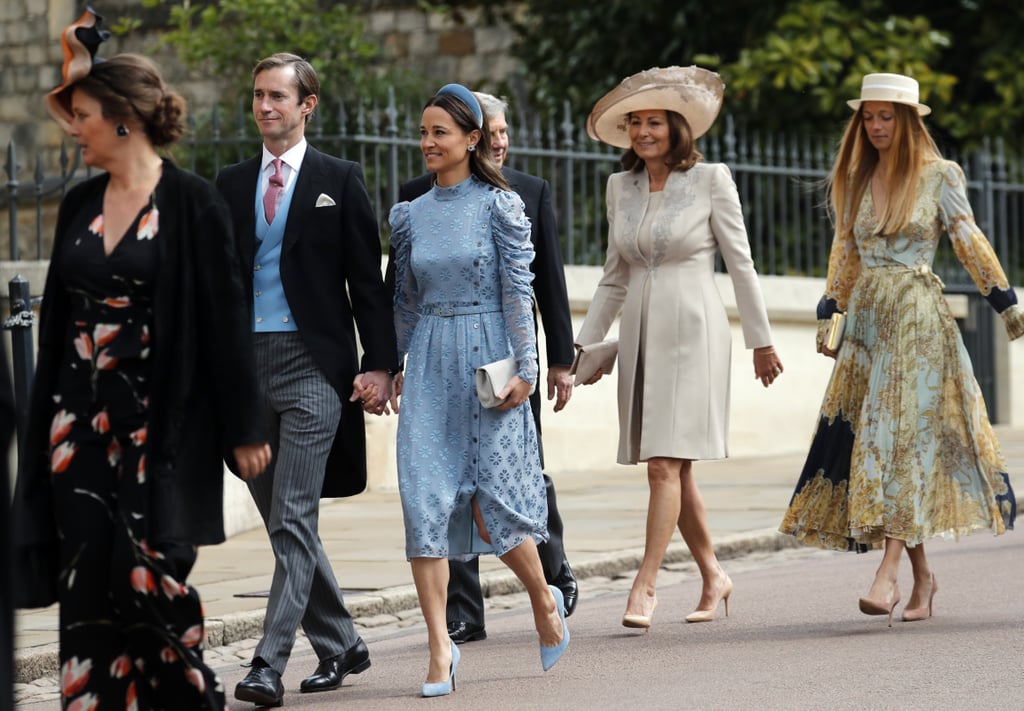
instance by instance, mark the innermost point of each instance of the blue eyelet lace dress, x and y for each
(904, 448)
(464, 298)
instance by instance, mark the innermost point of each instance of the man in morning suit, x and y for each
(308, 234)
(465, 598)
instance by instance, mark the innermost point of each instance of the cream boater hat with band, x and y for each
(693, 92)
(895, 88)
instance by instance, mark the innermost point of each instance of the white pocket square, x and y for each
(324, 200)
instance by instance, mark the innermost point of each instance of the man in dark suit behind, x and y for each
(308, 235)
(465, 598)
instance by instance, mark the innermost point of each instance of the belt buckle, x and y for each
(446, 311)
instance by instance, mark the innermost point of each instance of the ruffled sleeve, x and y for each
(511, 230)
(973, 249)
(406, 296)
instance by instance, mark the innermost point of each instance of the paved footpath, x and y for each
(604, 514)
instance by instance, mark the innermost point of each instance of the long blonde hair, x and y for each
(912, 148)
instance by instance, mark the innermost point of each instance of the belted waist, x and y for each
(924, 271)
(449, 310)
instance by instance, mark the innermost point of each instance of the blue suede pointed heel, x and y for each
(443, 688)
(550, 655)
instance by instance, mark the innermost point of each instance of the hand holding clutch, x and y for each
(834, 334)
(492, 378)
(593, 357)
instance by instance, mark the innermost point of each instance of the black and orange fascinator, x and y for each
(79, 40)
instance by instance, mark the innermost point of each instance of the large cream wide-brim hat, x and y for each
(693, 92)
(895, 88)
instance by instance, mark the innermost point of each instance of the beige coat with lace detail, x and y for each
(675, 340)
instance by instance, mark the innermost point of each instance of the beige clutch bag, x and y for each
(492, 378)
(589, 358)
(834, 334)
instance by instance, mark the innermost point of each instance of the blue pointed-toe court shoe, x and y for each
(550, 655)
(443, 688)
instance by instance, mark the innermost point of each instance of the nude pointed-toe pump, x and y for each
(709, 615)
(921, 613)
(874, 607)
(640, 621)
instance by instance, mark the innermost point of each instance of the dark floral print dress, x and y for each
(131, 631)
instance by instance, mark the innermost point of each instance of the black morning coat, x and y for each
(330, 270)
(205, 397)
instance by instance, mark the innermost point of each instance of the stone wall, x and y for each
(31, 55)
(433, 47)
(440, 49)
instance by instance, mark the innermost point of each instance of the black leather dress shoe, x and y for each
(332, 671)
(262, 685)
(566, 582)
(462, 632)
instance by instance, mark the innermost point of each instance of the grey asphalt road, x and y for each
(795, 640)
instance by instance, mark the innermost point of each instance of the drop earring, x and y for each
(121, 130)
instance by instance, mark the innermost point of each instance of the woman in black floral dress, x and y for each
(145, 380)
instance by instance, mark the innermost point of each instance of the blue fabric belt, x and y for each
(448, 311)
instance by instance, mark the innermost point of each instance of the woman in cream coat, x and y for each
(669, 214)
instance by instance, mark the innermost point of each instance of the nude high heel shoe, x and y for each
(873, 607)
(640, 621)
(921, 613)
(709, 615)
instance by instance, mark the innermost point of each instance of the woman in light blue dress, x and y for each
(469, 476)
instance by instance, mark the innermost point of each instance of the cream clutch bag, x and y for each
(834, 334)
(597, 355)
(492, 378)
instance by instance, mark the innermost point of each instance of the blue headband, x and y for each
(465, 96)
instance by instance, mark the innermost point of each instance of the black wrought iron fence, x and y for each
(779, 179)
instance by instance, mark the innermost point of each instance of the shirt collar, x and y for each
(291, 157)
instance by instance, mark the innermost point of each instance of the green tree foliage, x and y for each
(788, 64)
(986, 55)
(965, 53)
(577, 50)
(225, 38)
(800, 74)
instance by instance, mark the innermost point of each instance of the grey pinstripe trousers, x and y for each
(305, 413)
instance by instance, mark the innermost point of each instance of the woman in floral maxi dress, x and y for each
(145, 382)
(904, 449)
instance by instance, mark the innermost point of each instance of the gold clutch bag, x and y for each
(834, 334)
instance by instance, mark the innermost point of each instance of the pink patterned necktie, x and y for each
(273, 191)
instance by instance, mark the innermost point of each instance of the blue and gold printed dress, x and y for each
(904, 448)
(463, 298)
